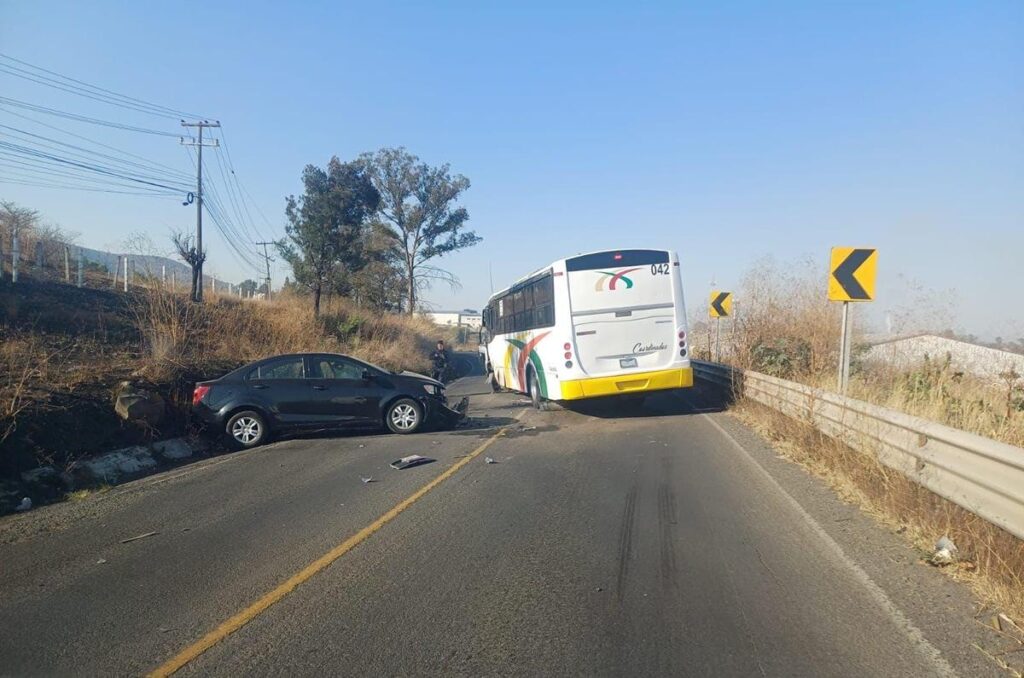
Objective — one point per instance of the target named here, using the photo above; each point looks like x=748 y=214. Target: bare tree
x=186 y=248
x=16 y=222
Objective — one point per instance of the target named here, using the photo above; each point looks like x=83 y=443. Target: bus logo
x=613 y=278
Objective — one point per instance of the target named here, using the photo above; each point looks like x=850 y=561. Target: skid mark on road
x=626 y=539
x=242 y=618
x=666 y=533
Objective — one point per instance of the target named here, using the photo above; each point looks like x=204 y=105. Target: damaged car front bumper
x=445 y=415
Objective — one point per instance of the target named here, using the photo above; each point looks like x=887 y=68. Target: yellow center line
x=279 y=592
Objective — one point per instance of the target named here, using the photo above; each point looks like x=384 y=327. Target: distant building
x=465 y=318
x=981 y=361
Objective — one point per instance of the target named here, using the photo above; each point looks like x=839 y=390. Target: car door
x=280 y=384
x=343 y=394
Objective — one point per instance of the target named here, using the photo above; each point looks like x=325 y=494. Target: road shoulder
x=945 y=611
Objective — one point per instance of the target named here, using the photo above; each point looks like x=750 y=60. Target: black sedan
x=309 y=391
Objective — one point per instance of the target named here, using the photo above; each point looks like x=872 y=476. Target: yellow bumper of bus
x=629 y=383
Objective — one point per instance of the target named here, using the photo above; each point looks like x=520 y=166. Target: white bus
x=601 y=324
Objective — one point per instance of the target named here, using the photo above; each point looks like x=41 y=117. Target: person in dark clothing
x=440 y=359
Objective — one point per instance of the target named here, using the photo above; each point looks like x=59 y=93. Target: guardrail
x=984 y=476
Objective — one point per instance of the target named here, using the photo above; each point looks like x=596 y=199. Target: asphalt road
x=658 y=541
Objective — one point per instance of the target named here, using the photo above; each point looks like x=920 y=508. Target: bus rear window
x=589 y=262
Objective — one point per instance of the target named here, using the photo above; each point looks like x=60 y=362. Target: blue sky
x=726 y=131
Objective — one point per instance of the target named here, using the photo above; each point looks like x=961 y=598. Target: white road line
x=928 y=651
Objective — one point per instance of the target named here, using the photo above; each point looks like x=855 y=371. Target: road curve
x=601 y=542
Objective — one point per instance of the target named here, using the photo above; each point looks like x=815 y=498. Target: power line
x=88 y=154
x=25 y=165
x=94 y=168
x=241 y=188
x=235 y=200
x=89 y=91
x=97 y=143
x=83 y=118
x=214 y=205
x=41 y=184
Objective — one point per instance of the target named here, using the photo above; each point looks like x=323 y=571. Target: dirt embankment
x=64 y=351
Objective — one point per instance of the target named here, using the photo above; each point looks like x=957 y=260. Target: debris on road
x=101 y=561
x=138 y=537
x=25 y=504
x=488 y=460
x=945 y=552
x=366 y=480
x=411 y=460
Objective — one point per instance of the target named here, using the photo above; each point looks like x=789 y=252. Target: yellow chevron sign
x=852 y=274
x=720 y=305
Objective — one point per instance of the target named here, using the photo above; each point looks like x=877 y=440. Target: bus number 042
x=659 y=269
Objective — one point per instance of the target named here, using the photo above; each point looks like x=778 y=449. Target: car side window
x=335 y=368
x=286 y=368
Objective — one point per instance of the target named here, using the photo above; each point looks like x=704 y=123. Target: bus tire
x=533 y=388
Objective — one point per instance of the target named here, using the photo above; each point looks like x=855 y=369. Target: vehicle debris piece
x=138 y=537
x=26 y=504
x=945 y=552
x=411 y=460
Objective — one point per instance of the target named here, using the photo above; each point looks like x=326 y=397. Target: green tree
x=249 y=287
x=326 y=223
x=418 y=207
x=379 y=282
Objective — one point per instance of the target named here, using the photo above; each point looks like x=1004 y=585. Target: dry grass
x=991 y=560
x=181 y=336
x=788 y=329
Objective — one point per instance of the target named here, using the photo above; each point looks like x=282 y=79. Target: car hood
x=420 y=377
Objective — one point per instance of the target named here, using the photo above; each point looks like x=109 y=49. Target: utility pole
x=201 y=124
x=267 y=258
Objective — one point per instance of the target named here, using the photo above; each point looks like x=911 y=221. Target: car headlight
x=433 y=389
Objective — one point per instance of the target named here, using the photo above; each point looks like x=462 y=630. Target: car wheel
x=246 y=429
x=404 y=416
x=533 y=384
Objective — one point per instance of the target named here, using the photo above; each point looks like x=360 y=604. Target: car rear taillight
x=199 y=393
x=568 y=354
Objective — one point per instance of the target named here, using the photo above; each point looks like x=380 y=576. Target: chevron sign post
x=719 y=306
x=851 y=277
